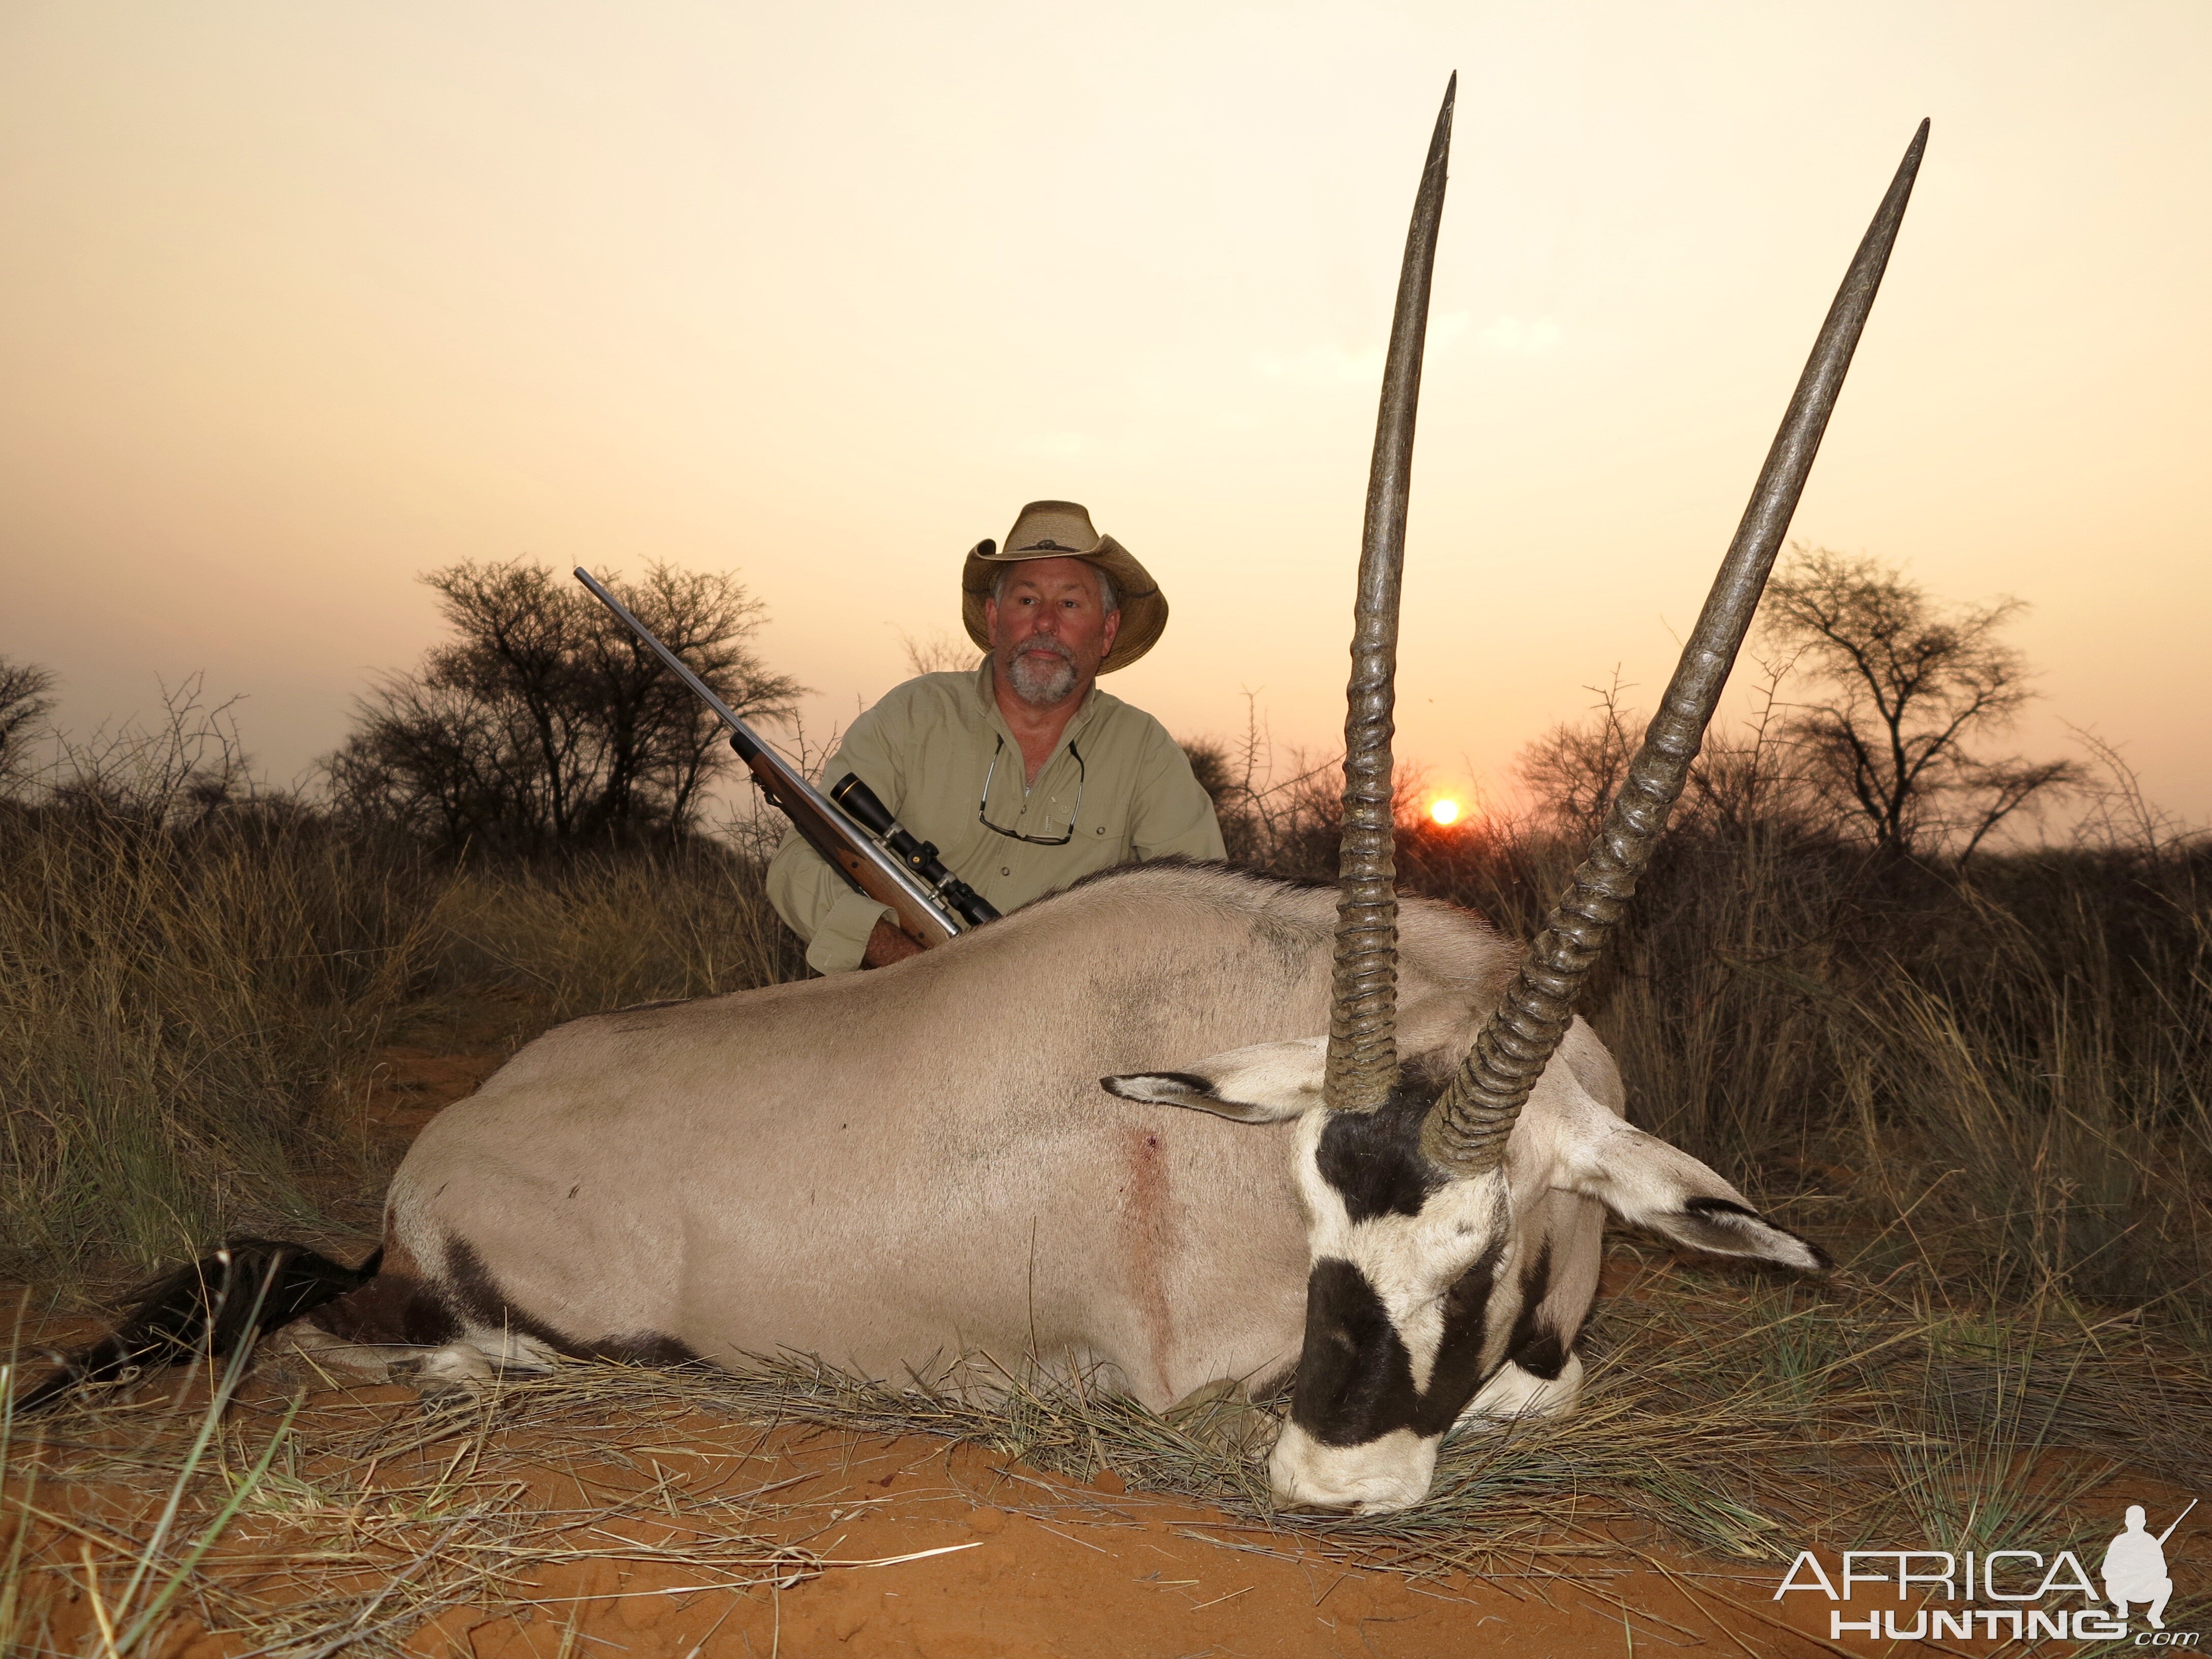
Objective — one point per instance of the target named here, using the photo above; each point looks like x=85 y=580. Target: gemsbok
x=1362 y=1142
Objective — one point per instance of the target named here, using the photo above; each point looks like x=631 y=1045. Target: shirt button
x=1007 y=870
x=1101 y=830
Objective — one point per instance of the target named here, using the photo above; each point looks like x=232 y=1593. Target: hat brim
x=1143 y=607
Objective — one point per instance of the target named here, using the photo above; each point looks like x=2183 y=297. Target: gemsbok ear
x=1265 y=1082
x=1647 y=1183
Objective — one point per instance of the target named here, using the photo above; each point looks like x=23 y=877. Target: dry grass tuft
x=181 y=1011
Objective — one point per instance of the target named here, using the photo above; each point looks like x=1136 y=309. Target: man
x=2134 y=1570
x=1024 y=773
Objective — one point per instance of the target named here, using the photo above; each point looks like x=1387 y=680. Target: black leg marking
x=480 y=1298
x=398 y=1305
x=1535 y=1345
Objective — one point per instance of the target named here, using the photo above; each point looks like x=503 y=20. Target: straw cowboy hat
x=1062 y=530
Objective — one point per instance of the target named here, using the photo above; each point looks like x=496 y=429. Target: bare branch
x=23 y=703
x=941 y=653
x=1906 y=690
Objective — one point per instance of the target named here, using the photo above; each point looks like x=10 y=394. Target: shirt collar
x=987 y=695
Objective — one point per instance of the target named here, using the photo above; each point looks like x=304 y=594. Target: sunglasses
x=983 y=806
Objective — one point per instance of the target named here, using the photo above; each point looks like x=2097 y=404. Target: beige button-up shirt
x=1117 y=780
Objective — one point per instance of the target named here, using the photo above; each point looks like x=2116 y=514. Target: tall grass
x=189 y=1011
x=599 y=931
x=179 y=1009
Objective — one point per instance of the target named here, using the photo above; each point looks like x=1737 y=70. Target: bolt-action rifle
x=850 y=827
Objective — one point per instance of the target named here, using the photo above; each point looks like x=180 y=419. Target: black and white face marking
x=1400 y=1315
x=1399 y=1249
x=1405 y=1262
x=1428 y=1292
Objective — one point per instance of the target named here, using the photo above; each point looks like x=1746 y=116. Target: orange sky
x=301 y=301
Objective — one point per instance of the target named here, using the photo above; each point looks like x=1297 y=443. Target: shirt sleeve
x=812 y=897
x=1172 y=814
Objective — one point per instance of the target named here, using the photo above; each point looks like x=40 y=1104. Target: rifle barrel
x=833 y=833
x=738 y=727
x=2178 y=1519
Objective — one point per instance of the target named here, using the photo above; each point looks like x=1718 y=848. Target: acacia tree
x=1907 y=691
x=545 y=720
x=23 y=702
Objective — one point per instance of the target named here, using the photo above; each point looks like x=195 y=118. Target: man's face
x=1049 y=631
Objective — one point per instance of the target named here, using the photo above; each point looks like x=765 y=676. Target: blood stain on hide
x=1150 y=1237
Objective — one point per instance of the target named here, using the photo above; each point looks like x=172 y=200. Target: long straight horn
x=1363 y=1020
x=1467 y=1128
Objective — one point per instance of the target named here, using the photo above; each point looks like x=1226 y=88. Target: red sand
x=1036 y=1566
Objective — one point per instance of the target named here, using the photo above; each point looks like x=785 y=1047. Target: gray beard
x=1040 y=680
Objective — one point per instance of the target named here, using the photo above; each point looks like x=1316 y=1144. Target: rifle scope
x=860 y=803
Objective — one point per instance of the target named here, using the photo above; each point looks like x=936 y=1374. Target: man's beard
x=1038 y=680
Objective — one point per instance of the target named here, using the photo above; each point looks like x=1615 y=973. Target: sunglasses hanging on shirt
x=983 y=806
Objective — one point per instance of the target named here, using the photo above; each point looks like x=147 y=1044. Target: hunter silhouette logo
x=2135 y=1567
x=2025 y=1593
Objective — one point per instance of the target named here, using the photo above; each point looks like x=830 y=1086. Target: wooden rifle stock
x=827 y=831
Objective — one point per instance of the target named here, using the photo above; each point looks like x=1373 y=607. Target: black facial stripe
x=1355 y=1377
x=1373 y=1160
x=1458 y=1370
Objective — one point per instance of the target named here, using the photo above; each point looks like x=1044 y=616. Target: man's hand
x=886 y=944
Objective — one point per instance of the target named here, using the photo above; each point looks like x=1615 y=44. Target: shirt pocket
x=1103 y=828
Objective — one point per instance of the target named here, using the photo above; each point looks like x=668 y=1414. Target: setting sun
x=1444 y=810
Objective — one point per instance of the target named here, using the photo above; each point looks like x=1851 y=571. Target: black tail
x=247 y=1285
